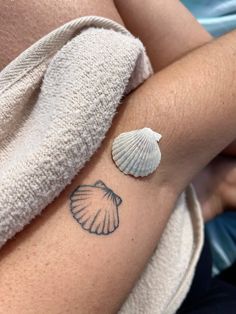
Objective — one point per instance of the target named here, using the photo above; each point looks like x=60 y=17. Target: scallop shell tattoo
x=137 y=152
x=95 y=208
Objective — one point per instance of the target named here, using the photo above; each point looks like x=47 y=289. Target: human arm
x=167 y=37
x=54 y=264
x=167 y=29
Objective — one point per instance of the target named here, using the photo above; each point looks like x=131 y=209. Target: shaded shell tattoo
x=95 y=208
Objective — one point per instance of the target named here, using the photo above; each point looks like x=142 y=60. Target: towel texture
x=57 y=101
x=46 y=138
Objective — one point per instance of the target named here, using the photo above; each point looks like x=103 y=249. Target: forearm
x=167 y=29
x=55 y=257
x=192 y=104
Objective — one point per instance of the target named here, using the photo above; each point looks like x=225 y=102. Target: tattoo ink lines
x=95 y=208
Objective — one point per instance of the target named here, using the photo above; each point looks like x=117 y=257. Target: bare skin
x=167 y=29
x=56 y=267
x=212 y=186
x=23 y=22
x=166 y=37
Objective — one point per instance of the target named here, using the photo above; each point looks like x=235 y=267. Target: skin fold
x=55 y=266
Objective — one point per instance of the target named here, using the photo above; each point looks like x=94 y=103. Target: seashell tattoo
x=95 y=208
x=137 y=152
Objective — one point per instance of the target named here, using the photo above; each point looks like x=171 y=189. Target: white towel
x=57 y=101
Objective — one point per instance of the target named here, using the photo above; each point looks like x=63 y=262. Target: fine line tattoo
x=95 y=208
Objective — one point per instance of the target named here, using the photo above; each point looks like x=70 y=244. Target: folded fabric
x=47 y=135
x=57 y=101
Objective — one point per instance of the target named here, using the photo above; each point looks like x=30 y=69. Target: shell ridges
x=95 y=208
x=137 y=152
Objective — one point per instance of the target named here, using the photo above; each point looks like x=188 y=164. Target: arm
x=167 y=29
x=167 y=36
x=54 y=265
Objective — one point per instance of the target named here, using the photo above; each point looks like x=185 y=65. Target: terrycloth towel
x=57 y=101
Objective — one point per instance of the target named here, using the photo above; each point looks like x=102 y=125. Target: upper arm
x=55 y=265
x=168 y=30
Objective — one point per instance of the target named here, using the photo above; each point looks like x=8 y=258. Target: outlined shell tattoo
x=137 y=152
x=95 y=208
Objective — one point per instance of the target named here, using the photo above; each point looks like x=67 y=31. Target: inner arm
x=168 y=31
x=54 y=264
